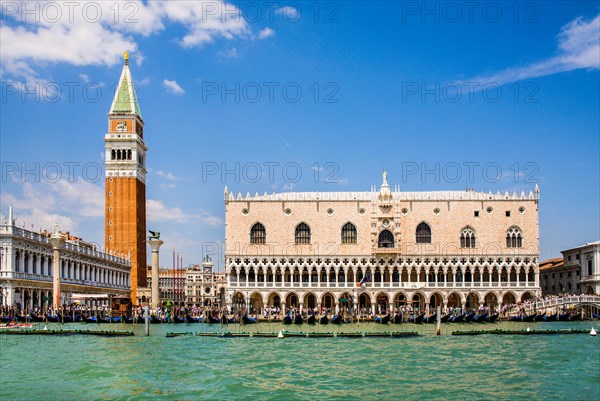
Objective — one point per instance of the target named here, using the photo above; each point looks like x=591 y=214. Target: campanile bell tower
x=125 y=205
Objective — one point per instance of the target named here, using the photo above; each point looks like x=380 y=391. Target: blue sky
x=508 y=92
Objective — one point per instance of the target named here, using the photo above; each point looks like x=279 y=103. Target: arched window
x=113 y=154
x=514 y=238
x=386 y=239
x=258 y=234
x=302 y=234
x=128 y=154
x=349 y=235
x=423 y=234
x=467 y=238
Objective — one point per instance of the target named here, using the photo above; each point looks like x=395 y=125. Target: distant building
x=204 y=286
x=381 y=249
x=26 y=264
x=577 y=272
x=171 y=284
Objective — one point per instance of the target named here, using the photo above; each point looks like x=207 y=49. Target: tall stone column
x=56 y=240
x=155 y=244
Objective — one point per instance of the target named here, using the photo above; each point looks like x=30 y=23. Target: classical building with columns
x=26 y=261
x=383 y=248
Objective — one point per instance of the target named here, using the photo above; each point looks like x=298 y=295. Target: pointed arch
x=386 y=239
x=302 y=233
x=467 y=237
x=258 y=234
x=423 y=233
x=349 y=234
x=514 y=237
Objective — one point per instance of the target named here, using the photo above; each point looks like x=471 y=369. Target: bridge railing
x=570 y=300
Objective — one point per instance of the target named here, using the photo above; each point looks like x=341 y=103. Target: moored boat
x=444 y=319
x=249 y=320
x=493 y=318
x=417 y=318
x=177 y=319
x=191 y=319
x=324 y=319
x=311 y=319
x=213 y=320
x=430 y=318
x=337 y=319
x=469 y=317
x=480 y=318
x=287 y=319
x=397 y=318
x=551 y=318
x=298 y=319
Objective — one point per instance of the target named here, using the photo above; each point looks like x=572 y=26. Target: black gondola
x=53 y=318
x=430 y=318
x=287 y=319
x=324 y=319
x=493 y=318
x=576 y=316
x=551 y=318
x=311 y=319
x=337 y=319
x=39 y=319
x=71 y=318
x=469 y=317
x=480 y=318
x=298 y=319
x=397 y=318
x=128 y=319
x=540 y=318
x=383 y=320
x=191 y=319
x=213 y=320
x=91 y=319
x=417 y=318
x=457 y=318
x=249 y=320
x=444 y=319
x=177 y=319
x=564 y=317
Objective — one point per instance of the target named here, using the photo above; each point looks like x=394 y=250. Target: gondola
x=444 y=319
x=232 y=319
x=540 y=317
x=156 y=320
x=596 y=315
x=383 y=319
x=249 y=320
x=6 y=319
x=417 y=319
x=480 y=318
x=469 y=317
x=23 y=318
x=563 y=317
x=551 y=318
x=311 y=319
x=177 y=319
x=337 y=319
x=37 y=318
x=397 y=318
x=430 y=318
x=91 y=319
x=457 y=318
x=287 y=319
x=191 y=319
x=213 y=320
x=102 y=319
x=128 y=319
x=53 y=318
x=523 y=318
x=116 y=319
x=298 y=319
x=493 y=318
x=71 y=318
x=324 y=319
x=576 y=316
x=141 y=319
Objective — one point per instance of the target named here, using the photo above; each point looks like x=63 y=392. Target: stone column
x=56 y=240
x=155 y=244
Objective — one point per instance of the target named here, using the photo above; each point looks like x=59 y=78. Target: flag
x=366 y=278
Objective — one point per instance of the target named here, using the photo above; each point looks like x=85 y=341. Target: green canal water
x=553 y=367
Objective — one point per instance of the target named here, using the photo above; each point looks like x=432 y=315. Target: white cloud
x=288 y=12
x=228 y=54
x=95 y=33
x=578 y=48
x=85 y=78
x=66 y=203
x=167 y=175
x=266 y=33
x=157 y=211
x=173 y=87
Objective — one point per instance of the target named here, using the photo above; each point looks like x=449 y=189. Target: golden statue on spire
x=126 y=56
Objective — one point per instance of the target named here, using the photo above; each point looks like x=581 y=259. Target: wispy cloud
x=578 y=48
x=288 y=12
x=266 y=33
x=173 y=87
x=31 y=42
x=228 y=53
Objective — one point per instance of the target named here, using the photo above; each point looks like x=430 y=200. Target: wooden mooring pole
x=438 y=321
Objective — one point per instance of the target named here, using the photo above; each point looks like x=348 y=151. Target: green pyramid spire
x=125 y=100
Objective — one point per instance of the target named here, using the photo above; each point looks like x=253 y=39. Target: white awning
x=76 y=297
